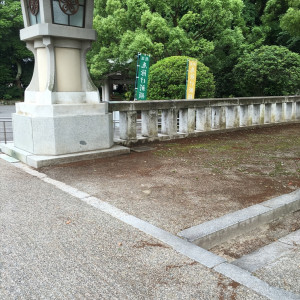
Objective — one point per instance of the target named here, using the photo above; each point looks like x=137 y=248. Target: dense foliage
x=167 y=79
x=218 y=33
x=269 y=70
x=16 y=63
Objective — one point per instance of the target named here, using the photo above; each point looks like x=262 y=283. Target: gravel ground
x=283 y=273
x=186 y=182
x=54 y=246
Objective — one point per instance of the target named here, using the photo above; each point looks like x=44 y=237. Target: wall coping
x=197 y=103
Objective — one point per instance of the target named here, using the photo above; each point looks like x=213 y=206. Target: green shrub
x=13 y=93
x=167 y=79
x=268 y=71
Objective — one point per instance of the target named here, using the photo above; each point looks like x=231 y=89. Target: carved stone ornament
x=69 y=7
x=34 y=6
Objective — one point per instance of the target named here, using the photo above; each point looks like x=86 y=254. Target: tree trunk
x=18 y=76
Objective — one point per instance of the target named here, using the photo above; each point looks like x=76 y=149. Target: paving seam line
x=190 y=250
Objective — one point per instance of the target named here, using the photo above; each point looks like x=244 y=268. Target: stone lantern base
x=61 y=129
x=54 y=134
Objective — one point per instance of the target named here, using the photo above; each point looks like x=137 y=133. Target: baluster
x=128 y=125
x=150 y=123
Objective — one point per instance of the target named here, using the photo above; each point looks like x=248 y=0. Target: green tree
x=280 y=23
x=229 y=46
x=252 y=12
x=159 y=28
x=167 y=79
x=290 y=21
x=15 y=59
x=268 y=71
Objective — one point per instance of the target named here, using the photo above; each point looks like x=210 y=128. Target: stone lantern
x=61 y=113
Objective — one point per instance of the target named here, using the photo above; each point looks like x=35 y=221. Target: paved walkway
x=60 y=243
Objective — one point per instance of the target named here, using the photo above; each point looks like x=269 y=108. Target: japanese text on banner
x=141 y=84
x=191 y=79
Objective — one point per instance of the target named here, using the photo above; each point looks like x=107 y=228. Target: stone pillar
x=250 y=115
x=61 y=113
x=128 y=125
x=256 y=114
x=262 y=114
x=293 y=112
x=243 y=115
x=223 y=117
x=288 y=111
x=200 y=118
x=297 y=104
x=215 y=117
x=187 y=120
x=169 y=121
x=150 y=123
x=106 y=91
x=279 y=113
x=273 y=112
x=208 y=119
x=284 y=111
x=232 y=117
x=267 y=115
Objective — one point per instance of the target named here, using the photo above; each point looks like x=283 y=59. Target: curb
x=217 y=231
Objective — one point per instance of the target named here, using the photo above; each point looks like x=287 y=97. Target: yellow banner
x=191 y=80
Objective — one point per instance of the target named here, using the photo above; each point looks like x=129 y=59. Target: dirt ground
x=186 y=182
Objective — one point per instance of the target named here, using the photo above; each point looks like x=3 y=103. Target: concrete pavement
x=61 y=243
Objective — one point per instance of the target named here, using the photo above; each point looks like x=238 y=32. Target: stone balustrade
x=171 y=119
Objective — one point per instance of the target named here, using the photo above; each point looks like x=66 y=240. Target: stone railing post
x=267 y=116
x=150 y=123
x=288 y=111
x=169 y=121
x=273 y=112
x=203 y=119
x=243 y=115
x=223 y=117
x=128 y=125
x=256 y=114
x=293 y=111
x=218 y=117
x=250 y=115
x=297 y=113
x=262 y=109
x=232 y=116
x=187 y=120
x=215 y=117
x=200 y=115
x=283 y=114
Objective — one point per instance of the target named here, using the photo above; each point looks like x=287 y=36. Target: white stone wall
x=183 y=118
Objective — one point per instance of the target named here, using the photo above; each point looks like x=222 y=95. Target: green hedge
x=268 y=71
x=167 y=79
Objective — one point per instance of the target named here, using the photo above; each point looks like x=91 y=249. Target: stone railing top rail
x=197 y=103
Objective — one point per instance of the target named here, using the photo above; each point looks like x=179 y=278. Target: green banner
x=142 y=73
